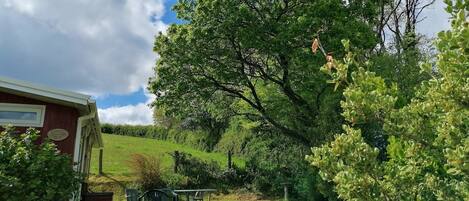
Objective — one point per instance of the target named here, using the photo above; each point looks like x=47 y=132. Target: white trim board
x=39 y=90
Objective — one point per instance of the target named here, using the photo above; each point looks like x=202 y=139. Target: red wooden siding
x=56 y=116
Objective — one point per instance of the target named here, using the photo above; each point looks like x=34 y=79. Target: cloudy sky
x=100 y=47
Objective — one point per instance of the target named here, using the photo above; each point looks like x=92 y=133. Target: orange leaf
x=315 y=46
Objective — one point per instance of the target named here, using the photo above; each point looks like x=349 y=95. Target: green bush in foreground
x=34 y=172
x=428 y=143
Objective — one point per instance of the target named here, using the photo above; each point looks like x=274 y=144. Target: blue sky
x=170 y=16
x=121 y=100
x=101 y=48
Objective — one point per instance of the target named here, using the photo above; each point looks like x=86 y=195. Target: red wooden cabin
x=69 y=119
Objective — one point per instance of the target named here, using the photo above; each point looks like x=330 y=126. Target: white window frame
x=40 y=111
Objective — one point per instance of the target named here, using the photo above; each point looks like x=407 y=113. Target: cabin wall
x=56 y=116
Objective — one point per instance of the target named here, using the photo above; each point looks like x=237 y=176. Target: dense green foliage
x=253 y=59
x=196 y=138
x=268 y=165
x=34 y=172
x=208 y=174
x=134 y=130
x=242 y=75
x=247 y=68
x=236 y=137
x=428 y=143
x=272 y=161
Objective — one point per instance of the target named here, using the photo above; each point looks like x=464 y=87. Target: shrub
x=235 y=138
x=30 y=171
x=148 y=171
x=196 y=139
x=272 y=160
x=175 y=181
x=235 y=177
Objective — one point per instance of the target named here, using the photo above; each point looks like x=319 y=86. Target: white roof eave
x=97 y=127
x=44 y=91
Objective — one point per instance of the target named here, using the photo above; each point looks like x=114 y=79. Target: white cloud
x=95 y=47
x=138 y=114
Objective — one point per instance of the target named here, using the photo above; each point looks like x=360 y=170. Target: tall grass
x=148 y=171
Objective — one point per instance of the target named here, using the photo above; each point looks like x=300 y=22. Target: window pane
x=15 y=115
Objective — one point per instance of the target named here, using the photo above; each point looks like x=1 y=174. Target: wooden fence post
x=176 y=161
x=100 y=169
x=230 y=164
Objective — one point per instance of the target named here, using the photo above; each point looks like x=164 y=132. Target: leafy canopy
x=428 y=144
x=256 y=56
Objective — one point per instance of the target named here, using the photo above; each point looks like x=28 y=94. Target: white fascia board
x=48 y=92
x=97 y=127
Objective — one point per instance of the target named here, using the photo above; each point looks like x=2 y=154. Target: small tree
x=427 y=140
x=34 y=172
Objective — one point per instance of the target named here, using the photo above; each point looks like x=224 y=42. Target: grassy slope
x=118 y=149
x=117 y=152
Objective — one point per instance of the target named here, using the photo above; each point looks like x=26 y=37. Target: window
x=23 y=115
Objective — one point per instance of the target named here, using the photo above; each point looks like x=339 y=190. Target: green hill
x=118 y=150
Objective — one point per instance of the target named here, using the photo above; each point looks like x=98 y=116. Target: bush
x=197 y=173
x=200 y=174
x=175 y=181
x=148 y=171
x=235 y=177
x=272 y=160
x=196 y=139
x=235 y=138
x=30 y=171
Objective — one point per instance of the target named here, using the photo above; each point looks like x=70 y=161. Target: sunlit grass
x=118 y=149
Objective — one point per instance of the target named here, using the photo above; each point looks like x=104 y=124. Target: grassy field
x=118 y=150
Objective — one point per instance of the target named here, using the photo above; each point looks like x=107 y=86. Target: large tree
x=257 y=53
